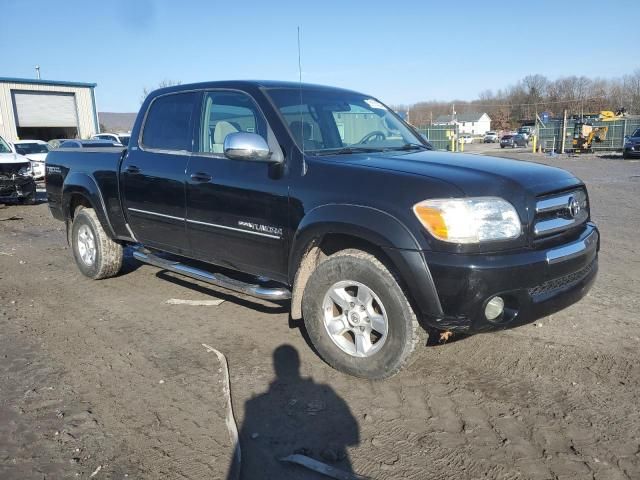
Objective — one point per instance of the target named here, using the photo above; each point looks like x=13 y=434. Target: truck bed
x=96 y=170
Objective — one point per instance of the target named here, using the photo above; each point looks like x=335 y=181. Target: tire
x=501 y=146
x=104 y=260
x=29 y=199
x=388 y=302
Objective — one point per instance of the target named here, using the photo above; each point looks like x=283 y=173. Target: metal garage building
x=43 y=109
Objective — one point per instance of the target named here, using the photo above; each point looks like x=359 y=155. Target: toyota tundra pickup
x=325 y=198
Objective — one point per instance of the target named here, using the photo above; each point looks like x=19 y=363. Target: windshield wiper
x=410 y=146
x=346 y=150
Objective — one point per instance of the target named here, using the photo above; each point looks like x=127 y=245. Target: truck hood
x=473 y=174
x=12 y=158
x=36 y=157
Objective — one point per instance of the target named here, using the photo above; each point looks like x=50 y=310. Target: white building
x=470 y=123
x=43 y=109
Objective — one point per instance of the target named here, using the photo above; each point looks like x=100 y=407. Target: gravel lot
x=106 y=378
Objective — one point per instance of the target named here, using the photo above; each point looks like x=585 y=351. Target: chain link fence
x=439 y=135
x=550 y=134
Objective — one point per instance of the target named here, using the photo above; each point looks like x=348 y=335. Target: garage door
x=45 y=109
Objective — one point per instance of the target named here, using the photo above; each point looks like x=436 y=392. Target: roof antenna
x=304 y=162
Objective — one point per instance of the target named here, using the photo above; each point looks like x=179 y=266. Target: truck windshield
x=328 y=122
x=31 y=148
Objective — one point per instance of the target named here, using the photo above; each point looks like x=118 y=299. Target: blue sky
x=400 y=52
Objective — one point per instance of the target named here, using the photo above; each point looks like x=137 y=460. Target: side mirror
x=246 y=146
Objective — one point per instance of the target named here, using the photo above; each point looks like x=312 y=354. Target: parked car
x=527 y=132
x=121 y=138
x=491 y=137
x=368 y=232
x=89 y=144
x=466 y=139
x=632 y=145
x=16 y=176
x=36 y=151
x=513 y=141
x=56 y=142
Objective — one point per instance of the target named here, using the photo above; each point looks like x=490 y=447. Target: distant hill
x=116 y=122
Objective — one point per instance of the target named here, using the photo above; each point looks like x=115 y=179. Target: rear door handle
x=132 y=169
x=201 y=177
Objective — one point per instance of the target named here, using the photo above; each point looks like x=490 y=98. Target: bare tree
x=164 y=83
x=535 y=94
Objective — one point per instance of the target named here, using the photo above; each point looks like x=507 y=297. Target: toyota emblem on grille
x=574 y=207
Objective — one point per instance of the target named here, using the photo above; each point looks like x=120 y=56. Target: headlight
x=469 y=220
x=24 y=171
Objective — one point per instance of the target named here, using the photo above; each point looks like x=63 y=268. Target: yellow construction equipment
x=609 y=116
x=584 y=135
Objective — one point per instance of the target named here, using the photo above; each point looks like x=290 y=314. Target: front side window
x=329 y=121
x=169 y=122
x=225 y=113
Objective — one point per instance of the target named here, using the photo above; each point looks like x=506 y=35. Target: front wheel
x=96 y=255
x=358 y=317
x=29 y=199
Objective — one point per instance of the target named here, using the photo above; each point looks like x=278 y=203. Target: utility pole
x=38 y=71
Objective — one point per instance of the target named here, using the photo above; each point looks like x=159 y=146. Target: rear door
x=237 y=211
x=153 y=174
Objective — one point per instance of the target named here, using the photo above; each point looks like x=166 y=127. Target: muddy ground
x=105 y=378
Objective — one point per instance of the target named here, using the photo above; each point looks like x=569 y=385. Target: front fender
x=82 y=184
x=380 y=229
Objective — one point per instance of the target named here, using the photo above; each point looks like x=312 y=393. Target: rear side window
x=169 y=123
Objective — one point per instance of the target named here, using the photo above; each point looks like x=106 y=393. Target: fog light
x=494 y=308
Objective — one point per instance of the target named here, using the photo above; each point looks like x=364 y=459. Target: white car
x=16 y=178
x=36 y=151
x=466 y=139
x=491 y=137
x=121 y=138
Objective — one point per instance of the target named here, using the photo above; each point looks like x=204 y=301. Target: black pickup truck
x=326 y=197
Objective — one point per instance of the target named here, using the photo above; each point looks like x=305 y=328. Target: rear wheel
x=96 y=255
x=358 y=317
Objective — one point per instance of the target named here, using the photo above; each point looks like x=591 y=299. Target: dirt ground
x=105 y=380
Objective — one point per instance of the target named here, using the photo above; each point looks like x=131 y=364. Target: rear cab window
x=169 y=123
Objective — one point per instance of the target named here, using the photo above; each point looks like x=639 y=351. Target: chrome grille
x=560 y=212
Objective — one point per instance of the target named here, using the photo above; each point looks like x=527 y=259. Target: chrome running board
x=217 y=279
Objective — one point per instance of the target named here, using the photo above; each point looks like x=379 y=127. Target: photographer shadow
x=294 y=416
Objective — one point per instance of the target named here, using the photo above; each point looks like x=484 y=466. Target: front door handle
x=132 y=169
x=201 y=177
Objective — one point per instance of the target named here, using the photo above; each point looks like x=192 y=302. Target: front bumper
x=632 y=151
x=533 y=284
x=17 y=188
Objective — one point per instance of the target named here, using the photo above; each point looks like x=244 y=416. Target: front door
x=153 y=174
x=237 y=211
